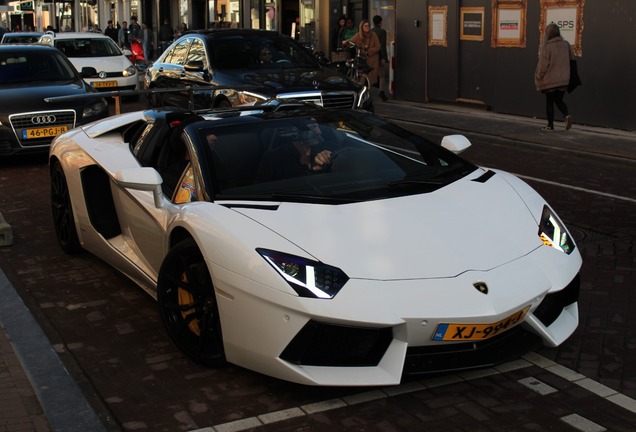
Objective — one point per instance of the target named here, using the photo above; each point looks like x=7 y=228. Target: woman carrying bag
x=552 y=75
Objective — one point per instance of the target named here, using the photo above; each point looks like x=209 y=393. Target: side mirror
x=88 y=72
x=194 y=66
x=455 y=143
x=144 y=179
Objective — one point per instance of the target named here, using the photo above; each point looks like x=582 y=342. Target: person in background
x=350 y=29
x=338 y=34
x=553 y=74
x=369 y=44
x=183 y=27
x=111 y=31
x=384 y=58
x=135 y=28
x=124 y=36
x=166 y=34
x=146 y=40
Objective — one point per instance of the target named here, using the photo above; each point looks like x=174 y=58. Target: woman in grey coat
x=553 y=74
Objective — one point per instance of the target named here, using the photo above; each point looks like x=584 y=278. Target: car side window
x=179 y=53
x=197 y=52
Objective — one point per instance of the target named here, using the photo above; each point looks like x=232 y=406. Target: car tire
x=188 y=306
x=63 y=218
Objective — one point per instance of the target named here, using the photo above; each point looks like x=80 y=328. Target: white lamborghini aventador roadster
x=320 y=247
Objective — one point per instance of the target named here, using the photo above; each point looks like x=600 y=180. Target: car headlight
x=363 y=97
x=95 y=108
x=552 y=232
x=129 y=71
x=308 y=278
x=249 y=98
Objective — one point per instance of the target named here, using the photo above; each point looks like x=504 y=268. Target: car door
x=143 y=224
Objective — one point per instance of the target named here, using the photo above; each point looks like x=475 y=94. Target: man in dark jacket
x=166 y=34
x=111 y=31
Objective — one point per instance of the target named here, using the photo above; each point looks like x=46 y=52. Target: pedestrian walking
x=384 y=58
x=553 y=74
x=369 y=44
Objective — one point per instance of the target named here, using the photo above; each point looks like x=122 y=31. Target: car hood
x=281 y=80
x=106 y=64
x=23 y=99
x=465 y=226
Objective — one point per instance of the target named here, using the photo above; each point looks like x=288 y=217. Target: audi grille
x=24 y=123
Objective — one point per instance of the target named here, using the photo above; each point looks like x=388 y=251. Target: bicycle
x=357 y=68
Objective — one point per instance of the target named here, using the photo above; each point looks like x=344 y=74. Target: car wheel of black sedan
x=188 y=304
x=63 y=212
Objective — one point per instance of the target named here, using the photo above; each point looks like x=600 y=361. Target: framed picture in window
x=437 y=25
x=509 y=23
x=568 y=15
x=472 y=24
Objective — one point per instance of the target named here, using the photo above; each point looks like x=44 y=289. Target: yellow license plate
x=104 y=84
x=43 y=132
x=471 y=332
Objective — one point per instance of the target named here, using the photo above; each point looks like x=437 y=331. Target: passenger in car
x=265 y=56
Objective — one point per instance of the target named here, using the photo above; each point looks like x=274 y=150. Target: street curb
x=6 y=233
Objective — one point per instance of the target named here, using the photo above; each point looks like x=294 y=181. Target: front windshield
x=88 y=47
x=259 y=52
x=30 y=66
x=337 y=156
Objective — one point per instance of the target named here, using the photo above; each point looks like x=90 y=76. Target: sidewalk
x=36 y=391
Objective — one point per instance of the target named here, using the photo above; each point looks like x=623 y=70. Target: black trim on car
x=98 y=197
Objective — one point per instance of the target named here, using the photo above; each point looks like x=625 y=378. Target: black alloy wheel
x=188 y=306
x=63 y=219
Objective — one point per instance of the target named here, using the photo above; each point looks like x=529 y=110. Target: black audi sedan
x=29 y=74
x=251 y=66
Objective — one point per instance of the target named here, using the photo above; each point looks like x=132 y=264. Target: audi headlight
x=553 y=233
x=129 y=71
x=308 y=278
x=95 y=108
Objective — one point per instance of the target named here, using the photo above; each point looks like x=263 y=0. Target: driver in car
x=304 y=154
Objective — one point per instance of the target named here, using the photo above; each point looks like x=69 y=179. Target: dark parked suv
x=252 y=66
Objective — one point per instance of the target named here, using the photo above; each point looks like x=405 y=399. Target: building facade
x=477 y=52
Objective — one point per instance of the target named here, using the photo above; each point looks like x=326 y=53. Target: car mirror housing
x=144 y=179
x=455 y=143
x=88 y=72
